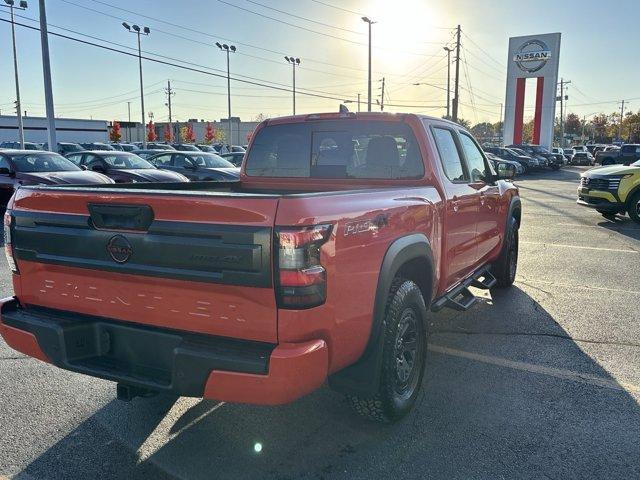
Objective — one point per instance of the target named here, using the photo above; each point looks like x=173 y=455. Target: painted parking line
x=562 y=245
x=529 y=281
x=560 y=373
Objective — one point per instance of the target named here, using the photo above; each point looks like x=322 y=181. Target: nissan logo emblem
x=119 y=249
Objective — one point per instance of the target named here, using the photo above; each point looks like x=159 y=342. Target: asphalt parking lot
x=539 y=381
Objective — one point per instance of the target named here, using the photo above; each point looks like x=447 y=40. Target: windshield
x=636 y=164
x=42 y=162
x=125 y=161
x=210 y=160
x=539 y=149
x=187 y=148
x=71 y=147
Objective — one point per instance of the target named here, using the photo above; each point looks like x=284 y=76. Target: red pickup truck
x=321 y=264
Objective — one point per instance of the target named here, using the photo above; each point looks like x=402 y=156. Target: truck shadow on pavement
x=478 y=416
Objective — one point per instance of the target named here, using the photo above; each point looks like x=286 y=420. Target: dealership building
x=67 y=129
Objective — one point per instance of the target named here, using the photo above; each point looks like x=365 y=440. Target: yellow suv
x=611 y=190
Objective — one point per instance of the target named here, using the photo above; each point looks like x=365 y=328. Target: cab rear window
x=336 y=149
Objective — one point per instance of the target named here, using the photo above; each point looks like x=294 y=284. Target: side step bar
x=460 y=298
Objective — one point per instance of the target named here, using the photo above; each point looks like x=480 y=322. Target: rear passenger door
x=461 y=208
x=488 y=233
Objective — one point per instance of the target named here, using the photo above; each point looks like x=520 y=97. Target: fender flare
x=631 y=193
x=363 y=377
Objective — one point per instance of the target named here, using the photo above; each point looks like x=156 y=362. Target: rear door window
x=475 y=159
x=449 y=154
x=336 y=149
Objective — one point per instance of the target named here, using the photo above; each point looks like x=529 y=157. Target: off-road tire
x=397 y=395
x=504 y=269
x=633 y=207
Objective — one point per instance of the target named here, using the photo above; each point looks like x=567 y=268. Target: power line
x=300 y=27
x=485 y=52
x=192 y=69
x=338 y=8
x=184 y=27
x=179 y=60
x=326 y=4
x=305 y=18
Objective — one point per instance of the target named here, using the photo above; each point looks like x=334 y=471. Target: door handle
x=455 y=204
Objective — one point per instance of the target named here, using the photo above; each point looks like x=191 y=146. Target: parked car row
x=528 y=157
x=40 y=167
x=69 y=147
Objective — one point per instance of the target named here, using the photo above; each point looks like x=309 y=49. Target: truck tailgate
x=195 y=262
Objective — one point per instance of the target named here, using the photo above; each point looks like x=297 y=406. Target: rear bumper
x=166 y=360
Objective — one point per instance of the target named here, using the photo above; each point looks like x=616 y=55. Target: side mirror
x=506 y=171
x=83 y=167
x=6 y=171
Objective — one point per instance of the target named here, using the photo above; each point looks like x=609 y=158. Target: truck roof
x=389 y=116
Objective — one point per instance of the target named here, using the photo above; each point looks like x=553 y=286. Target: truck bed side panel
x=353 y=258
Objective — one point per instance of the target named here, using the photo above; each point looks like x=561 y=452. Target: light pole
x=448 y=50
x=140 y=31
x=228 y=49
x=294 y=61
x=23 y=6
x=354 y=101
x=370 y=22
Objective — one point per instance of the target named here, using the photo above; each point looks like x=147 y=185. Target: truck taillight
x=8 y=246
x=302 y=280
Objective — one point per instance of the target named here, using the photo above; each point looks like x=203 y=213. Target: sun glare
x=404 y=25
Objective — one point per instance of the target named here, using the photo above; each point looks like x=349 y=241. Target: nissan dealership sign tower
x=534 y=56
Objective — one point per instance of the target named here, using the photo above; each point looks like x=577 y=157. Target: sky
x=599 y=54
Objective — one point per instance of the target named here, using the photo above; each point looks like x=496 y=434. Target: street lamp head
x=9 y=2
x=233 y=48
x=298 y=61
x=125 y=25
x=366 y=19
x=23 y=4
x=225 y=46
x=219 y=45
x=136 y=28
x=287 y=59
x=147 y=30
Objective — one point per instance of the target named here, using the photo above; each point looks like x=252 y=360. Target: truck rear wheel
x=504 y=269
x=403 y=357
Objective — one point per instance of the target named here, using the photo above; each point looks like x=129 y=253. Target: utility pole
x=170 y=93
x=448 y=50
x=382 y=99
x=501 y=126
x=46 y=71
x=228 y=49
x=295 y=62
x=358 y=102
x=563 y=97
x=129 y=126
x=370 y=22
x=621 y=118
x=23 y=6
x=456 y=98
